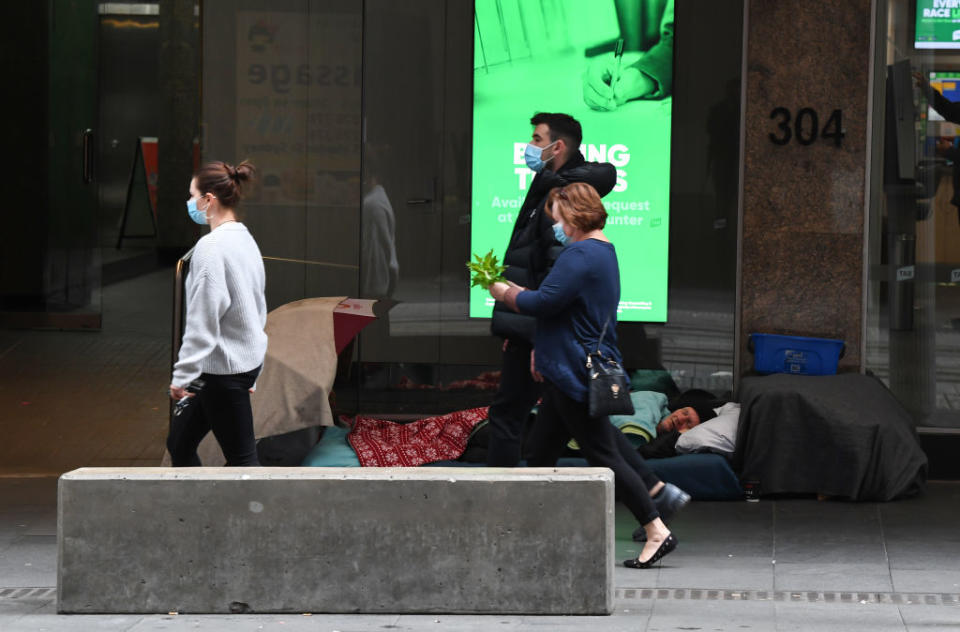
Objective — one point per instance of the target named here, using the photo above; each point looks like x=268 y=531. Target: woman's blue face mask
x=196 y=214
x=560 y=236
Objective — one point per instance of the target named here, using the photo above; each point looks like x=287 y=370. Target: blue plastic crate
x=795 y=354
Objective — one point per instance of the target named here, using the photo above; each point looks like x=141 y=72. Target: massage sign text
x=292 y=113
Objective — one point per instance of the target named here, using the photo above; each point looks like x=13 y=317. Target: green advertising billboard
x=536 y=56
x=937 y=24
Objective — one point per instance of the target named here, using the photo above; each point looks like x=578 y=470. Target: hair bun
x=244 y=171
x=225 y=181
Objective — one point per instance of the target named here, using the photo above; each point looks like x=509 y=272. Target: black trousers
x=223 y=406
x=601 y=443
x=511 y=408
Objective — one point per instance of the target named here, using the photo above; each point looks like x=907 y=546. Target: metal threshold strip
x=45 y=592
x=797 y=596
x=685 y=594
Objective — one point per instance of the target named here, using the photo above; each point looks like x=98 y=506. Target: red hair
x=579 y=205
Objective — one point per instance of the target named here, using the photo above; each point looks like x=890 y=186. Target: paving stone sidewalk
x=793 y=564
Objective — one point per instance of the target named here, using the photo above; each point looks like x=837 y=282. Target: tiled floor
x=785 y=564
x=71 y=399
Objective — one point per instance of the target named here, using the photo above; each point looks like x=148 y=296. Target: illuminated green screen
x=530 y=56
x=938 y=24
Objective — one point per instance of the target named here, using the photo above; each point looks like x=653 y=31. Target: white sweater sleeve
x=207 y=301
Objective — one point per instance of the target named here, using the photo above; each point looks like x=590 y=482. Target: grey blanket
x=838 y=435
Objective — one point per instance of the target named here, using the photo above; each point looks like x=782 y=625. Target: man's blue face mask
x=196 y=214
x=532 y=154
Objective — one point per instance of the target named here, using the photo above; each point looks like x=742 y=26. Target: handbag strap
x=603 y=333
x=599 y=340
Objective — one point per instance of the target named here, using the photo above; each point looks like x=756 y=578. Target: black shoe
x=665 y=547
x=668 y=501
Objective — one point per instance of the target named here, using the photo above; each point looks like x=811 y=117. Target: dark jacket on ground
x=662 y=446
x=533 y=248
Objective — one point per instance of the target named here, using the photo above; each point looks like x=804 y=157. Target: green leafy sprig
x=485 y=270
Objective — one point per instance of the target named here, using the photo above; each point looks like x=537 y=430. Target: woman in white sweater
x=224 y=342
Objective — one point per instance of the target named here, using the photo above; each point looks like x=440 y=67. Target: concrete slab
x=931 y=618
x=937 y=551
x=44 y=622
x=931 y=580
x=722 y=615
x=829 y=532
x=633 y=578
x=10 y=611
x=833 y=577
x=30 y=561
x=337 y=540
x=739 y=573
x=791 y=617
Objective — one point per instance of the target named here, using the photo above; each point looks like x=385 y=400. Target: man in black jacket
x=554 y=154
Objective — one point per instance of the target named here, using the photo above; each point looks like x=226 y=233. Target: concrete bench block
x=336 y=540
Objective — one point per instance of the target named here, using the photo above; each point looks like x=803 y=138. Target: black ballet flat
x=670 y=501
x=666 y=546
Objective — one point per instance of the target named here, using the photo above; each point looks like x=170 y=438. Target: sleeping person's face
x=680 y=420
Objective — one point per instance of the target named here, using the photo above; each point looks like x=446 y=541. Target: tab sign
x=905 y=273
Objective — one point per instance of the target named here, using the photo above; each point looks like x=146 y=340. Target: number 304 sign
x=804 y=127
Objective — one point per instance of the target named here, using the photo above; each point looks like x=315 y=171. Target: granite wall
x=803 y=198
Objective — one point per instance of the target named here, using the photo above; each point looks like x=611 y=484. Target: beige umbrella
x=293 y=389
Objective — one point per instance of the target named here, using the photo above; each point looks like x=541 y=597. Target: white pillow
x=714 y=435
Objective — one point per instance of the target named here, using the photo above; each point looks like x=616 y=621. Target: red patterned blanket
x=381 y=443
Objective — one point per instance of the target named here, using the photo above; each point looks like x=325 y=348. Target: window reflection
x=913 y=319
x=359 y=116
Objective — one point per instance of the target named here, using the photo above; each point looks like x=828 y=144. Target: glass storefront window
x=359 y=116
x=913 y=313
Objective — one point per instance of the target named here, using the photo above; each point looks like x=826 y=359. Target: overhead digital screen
x=937 y=24
x=537 y=56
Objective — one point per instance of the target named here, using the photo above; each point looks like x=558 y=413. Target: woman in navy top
x=573 y=305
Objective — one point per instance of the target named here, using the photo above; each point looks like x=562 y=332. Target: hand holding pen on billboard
x=599 y=78
x=607 y=84
x=618 y=56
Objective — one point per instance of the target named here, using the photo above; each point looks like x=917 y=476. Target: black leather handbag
x=608 y=388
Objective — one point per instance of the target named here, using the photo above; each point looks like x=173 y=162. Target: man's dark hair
x=704 y=412
x=561 y=126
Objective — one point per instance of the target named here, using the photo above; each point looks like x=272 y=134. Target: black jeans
x=223 y=406
x=511 y=408
x=601 y=443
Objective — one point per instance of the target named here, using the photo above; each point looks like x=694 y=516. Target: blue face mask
x=196 y=214
x=532 y=154
x=560 y=236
